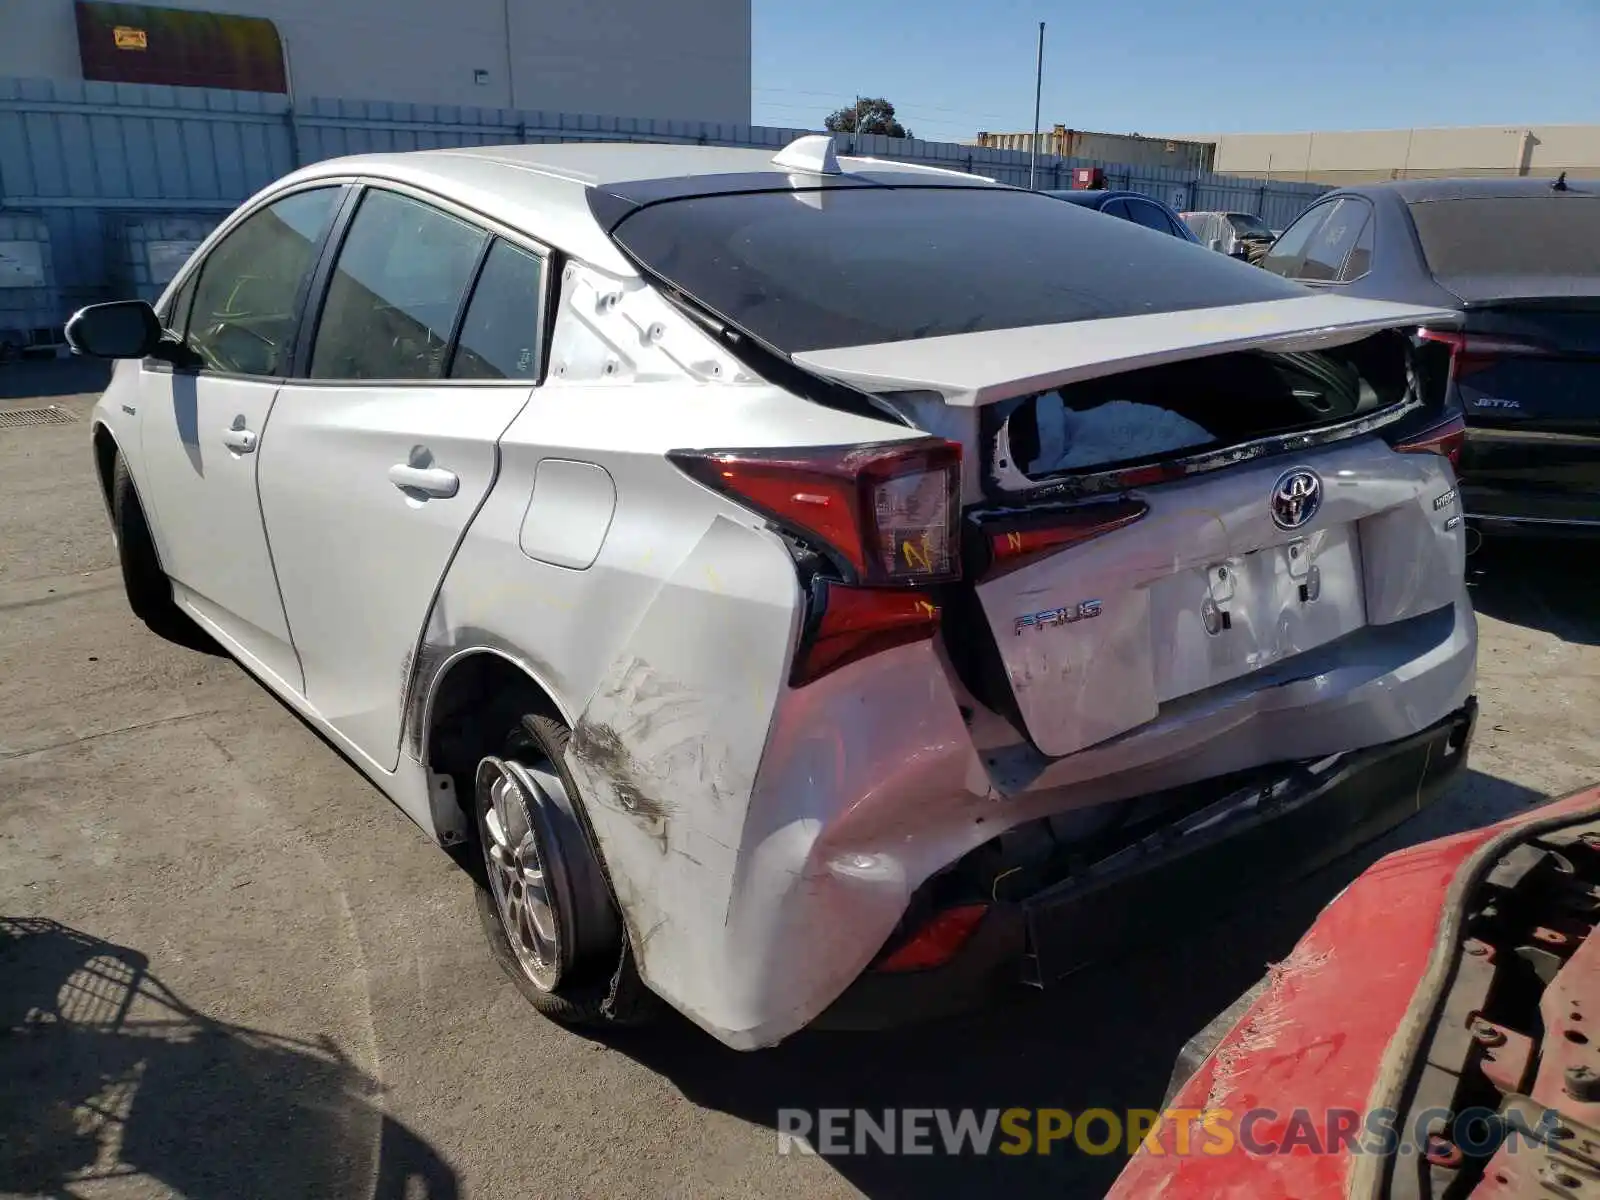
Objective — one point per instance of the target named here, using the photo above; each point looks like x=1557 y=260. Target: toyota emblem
x=1296 y=497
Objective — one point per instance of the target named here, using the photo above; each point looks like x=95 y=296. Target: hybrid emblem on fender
x=1296 y=497
x=1051 y=617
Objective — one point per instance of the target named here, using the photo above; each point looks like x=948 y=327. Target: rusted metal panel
x=138 y=43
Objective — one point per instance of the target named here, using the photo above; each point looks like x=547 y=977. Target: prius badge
x=1066 y=615
x=1296 y=497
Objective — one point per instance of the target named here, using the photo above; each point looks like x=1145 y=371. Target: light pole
x=1038 y=89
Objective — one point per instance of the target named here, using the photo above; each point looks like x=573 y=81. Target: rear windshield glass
x=1511 y=235
x=817 y=270
x=1246 y=223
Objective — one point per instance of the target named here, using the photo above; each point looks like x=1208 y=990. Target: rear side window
x=1553 y=234
x=1284 y=258
x=396 y=290
x=1360 y=260
x=246 y=307
x=1151 y=217
x=1335 y=238
x=500 y=333
x=1248 y=223
x=852 y=266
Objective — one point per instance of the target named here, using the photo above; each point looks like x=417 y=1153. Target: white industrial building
x=688 y=60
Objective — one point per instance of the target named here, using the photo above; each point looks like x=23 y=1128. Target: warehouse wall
x=106 y=182
x=688 y=60
x=1366 y=156
x=1130 y=148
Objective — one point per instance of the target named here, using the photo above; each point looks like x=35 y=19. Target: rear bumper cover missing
x=1270 y=833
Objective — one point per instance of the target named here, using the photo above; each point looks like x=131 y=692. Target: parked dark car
x=1519 y=259
x=1130 y=206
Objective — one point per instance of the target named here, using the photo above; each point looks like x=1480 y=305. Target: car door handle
x=240 y=441
x=430 y=481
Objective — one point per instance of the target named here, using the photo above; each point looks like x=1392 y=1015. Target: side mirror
x=120 y=329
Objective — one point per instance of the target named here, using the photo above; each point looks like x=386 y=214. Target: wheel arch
x=105 y=458
x=463 y=707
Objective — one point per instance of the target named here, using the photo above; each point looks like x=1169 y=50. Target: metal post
x=511 y=66
x=1038 y=91
x=288 y=113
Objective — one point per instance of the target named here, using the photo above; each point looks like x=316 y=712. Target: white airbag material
x=1116 y=431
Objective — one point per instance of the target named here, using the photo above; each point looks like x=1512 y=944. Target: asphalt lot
x=246 y=974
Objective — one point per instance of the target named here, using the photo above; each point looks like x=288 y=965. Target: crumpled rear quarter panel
x=755 y=889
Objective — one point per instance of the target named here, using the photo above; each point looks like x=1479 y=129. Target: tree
x=867 y=115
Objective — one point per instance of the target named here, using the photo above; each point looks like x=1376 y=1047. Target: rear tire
x=148 y=589
x=546 y=908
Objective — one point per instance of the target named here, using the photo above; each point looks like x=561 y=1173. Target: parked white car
x=822 y=587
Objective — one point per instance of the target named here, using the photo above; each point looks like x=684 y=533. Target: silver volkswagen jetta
x=806 y=588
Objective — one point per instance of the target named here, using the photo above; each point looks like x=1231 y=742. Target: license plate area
x=1213 y=624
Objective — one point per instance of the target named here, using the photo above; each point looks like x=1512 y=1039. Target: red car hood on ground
x=1293 y=1100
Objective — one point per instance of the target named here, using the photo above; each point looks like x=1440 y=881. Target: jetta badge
x=1296 y=497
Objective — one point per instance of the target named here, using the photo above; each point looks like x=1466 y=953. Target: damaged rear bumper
x=1272 y=829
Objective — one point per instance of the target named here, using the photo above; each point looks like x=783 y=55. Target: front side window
x=175 y=316
x=500 y=333
x=396 y=289
x=246 y=303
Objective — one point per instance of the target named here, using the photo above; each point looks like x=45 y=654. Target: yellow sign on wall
x=128 y=38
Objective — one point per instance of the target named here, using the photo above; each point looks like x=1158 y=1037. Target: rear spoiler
x=974 y=369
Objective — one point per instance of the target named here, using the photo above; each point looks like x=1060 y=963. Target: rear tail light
x=851 y=623
x=1473 y=352
x=886 y=514
x=1045 y=533
x=1448 y=439
x=938 y=941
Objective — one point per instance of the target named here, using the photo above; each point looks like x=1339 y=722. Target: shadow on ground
x=1547 y=585
x=105 y=1074
x=1105 y=1038
x=28 y=379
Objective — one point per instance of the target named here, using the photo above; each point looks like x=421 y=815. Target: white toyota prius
x=806 y=589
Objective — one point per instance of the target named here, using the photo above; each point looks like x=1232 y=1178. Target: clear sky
x=952 y=68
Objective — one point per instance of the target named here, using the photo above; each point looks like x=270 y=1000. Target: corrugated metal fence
x=102 y=186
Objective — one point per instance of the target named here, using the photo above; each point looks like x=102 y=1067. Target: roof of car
x=1417 y=191
x=1091 y=196
x=544 y=189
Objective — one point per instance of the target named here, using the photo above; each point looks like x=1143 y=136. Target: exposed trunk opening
x=1194 y=409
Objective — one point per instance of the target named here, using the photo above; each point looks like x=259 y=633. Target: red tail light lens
x=1448 y=439
x=937 y=942
x=886 y=514
x=1015 y=547
x=857 y=622
x=1473 y=352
